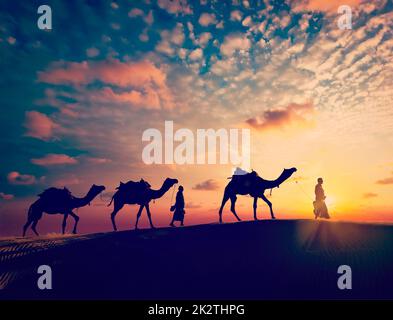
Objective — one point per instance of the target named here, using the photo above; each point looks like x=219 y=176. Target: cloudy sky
x=76 y=99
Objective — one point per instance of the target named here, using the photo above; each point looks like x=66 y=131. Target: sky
x=76 y=99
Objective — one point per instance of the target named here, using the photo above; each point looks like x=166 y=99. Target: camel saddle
x=134 y=186
x=56 y=194
x=248 y=179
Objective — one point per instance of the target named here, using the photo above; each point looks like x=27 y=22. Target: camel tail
x=111 y=201
x=29 y=212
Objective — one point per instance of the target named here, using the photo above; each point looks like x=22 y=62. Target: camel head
x=95 y=190
x=289 y=172
x=286 y=174
x=169 y=182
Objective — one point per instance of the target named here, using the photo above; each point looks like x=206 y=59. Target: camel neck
x=81 y=202
x=155 y=194
x=270 y=184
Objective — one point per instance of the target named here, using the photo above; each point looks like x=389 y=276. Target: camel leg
x=224 y=201
x=33 y=227
x=116 y=208
x=28 y=223
x=233 y=202
x=34 y=214
x=139 y=215
x=255 y=205
x=76 y=218
x=149 y=216
x=263 y=197
x=64 y=223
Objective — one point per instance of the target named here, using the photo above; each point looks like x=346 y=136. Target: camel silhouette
x=59 y=201
x=137 y=193
x=253 y=185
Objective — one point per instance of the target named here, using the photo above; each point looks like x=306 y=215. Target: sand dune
x=287 y=259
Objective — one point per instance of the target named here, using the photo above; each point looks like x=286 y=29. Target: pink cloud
x=295 y=115
x=370 y=195
x=148 y=99
x=207 y=19
x=148 y=82
x=175 y=6
x=207 y=185
x=6 y=196
x=66 y=181
x=54 y=159
x=17 y=178
x=98 y=160
x=39 y=125
x=330 y=6
x=92 y=52
x=111 y=72
x=136 y=12
x=385 y=181
x=235 y=42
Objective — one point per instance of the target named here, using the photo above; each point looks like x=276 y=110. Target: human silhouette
x=59 y=201
x=320 y=208
x=253 y=185
x=178 y=208
x=137 y=193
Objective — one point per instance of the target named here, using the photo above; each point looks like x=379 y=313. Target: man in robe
x=178 y=208
x=320 y=208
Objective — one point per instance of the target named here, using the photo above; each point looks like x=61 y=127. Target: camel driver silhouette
x=320 y=208
x=178 y=208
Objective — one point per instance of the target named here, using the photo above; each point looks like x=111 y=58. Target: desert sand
x=281 y=259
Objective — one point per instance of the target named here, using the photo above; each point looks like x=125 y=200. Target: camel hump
x=56 y=194
x=134 y=186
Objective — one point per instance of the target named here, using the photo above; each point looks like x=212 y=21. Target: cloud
x=110 y=71
x=197 y=54
x=17 y=178
x=92 y=52
x=206 y=185
x=236 y=15
x=170 y=40
x=191 y=205
x=385 y=181
x=330 y=6
x=175 y=7
x=207 y=19
x=54 y=159
x=115 y=26
x=66 y=181
x=136 y=12
x=39 y=125
x=149 y=18
x=204 y=38
x=292 y=115
x=147 y=99
x=6 y=196
x=11 y=40
x=235 y=42
x=94 y=160
x=138 y=81
x=369 y=195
